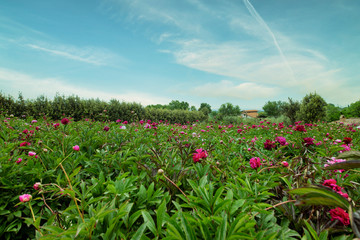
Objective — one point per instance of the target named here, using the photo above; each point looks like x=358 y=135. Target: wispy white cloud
x=227 y=89
x=13 y=82
x=91 y=55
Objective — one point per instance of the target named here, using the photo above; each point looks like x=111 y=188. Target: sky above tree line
x=151 y=52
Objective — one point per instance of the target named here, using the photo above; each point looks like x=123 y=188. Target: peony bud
x=37 y=186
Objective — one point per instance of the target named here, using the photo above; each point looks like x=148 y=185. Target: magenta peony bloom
x=282 y=141
x=106 y=128
x=64 y=121
x=76 y=148
x=341 y=215
x=24 y=144
x=200 y=154
x=285 y=163
x=308 y=141
x=25 y=198
x=19 y=160
x=255 y=162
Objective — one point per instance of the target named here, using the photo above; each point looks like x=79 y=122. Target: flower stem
x=77 y=206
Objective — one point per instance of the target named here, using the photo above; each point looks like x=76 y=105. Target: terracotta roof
x=251 y=113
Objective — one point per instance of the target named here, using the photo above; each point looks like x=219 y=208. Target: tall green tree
x=273 y=108
x=205 y=108
x=290 y=109
x=353 y=110
x=176 y=104
x=312 y=108
x=332 y=112
x=228 y=109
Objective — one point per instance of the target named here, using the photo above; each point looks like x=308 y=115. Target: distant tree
x=332 y=112
x=176 y=104
x=262 y=115
x=273 y=108
x=353 y=110
x=227 y=109
x=291 y=109
x=205 y=108
x=312 y=108
x=157 y=106
x=192 y=108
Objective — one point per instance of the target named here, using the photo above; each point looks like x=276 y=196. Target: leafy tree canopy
x=273 y=108
x=312 y=108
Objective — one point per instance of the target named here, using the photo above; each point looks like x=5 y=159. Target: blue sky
x=154 y=51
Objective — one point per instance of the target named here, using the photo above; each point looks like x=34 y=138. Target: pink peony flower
x=19 y=160
x=341 y=215
x=282 y=141
x=76 y=148
x=200 y=154
x=31 y=153
x=255 y=162
x=34 y=121
x=106 y=128
x=25 y=198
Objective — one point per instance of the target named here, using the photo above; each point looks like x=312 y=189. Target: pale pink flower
x=31 y=153
x=25 y=198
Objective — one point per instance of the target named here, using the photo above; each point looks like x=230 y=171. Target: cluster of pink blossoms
x=333 y=161
x=331 y=183
x=255 y=162
x=200 y=154
x=341 y=215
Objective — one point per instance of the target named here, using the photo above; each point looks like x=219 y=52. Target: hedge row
x=77 y=108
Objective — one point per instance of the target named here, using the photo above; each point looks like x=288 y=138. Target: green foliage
x=205 y=108
x=147 y=181
x=312 y=108
x=273 y=108
x=291 y=110
x=95 y=109
x=228 y=109
x=333 y=112
x=353 y=110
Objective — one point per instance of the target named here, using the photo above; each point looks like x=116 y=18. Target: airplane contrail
x=259 y=19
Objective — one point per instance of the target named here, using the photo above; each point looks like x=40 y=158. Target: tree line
x=312 y=108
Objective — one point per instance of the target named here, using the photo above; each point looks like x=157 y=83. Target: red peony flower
x=300 y=128
x=340 y=214
x=347 y=140
x=268 y=145
x=64 y=121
